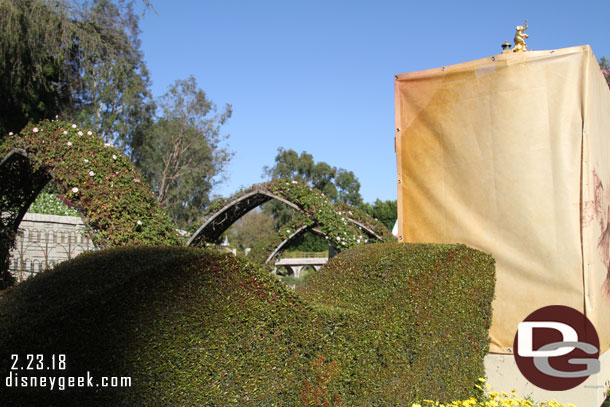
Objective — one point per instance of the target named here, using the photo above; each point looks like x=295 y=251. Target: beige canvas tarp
x=511 y=154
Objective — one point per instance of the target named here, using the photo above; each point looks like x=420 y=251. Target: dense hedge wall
x=382 y=325
x=418 y=320
x=191 y=327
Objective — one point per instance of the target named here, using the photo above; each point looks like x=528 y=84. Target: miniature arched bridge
x=218 y=221
x=295 y=265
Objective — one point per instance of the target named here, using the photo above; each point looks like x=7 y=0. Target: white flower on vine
x=35 y=129
x=89 y=133
x=86 y=160
x=74 y=126
x=114 y=156
x=80 y=133
x=294 y=182
x=139 y=222
x=10 y=133
x=69 y=143
x=74 y=190
x=65 y=132
x=91 y=173
x=106 y=144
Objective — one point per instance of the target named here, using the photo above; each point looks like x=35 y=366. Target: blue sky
x=318 y=76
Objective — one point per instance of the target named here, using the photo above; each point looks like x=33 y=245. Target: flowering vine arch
x=99 y=181
x=343 y=226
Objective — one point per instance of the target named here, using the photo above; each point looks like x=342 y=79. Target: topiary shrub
x=342 y=225
x=100 y=181
x=417 y=320
x=382 y=325
x=190 y=327
x=332 y=221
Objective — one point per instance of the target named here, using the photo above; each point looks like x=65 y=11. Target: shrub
x=417 y=320
x=49 y=204
x=100 y=181
x=190 y=327
x=383 y=324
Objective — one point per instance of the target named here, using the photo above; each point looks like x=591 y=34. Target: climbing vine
x=264 y=247
x=333 y=222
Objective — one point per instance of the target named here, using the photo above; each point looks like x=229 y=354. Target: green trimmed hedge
x=417 y=320
x=383 y=324
x=191 y=327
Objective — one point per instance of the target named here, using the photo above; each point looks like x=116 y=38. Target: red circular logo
x=556 y=348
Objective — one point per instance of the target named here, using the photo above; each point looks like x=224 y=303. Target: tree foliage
x=337 y=184
x=250 y=229
x=384 y=211
x=182 y=156
x=79 y=60
x=310 y=242
x=113 y=96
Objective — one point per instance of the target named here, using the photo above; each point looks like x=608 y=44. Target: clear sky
x=318 y=76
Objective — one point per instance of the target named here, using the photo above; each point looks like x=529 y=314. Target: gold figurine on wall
x=520 y=36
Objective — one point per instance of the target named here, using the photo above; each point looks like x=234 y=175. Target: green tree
x=182 y=157
x=384 y=211
x=310 y=242
x=337 y=184
x=348 y=188
x=253 y=227
x=113 y=95
x=74 y=59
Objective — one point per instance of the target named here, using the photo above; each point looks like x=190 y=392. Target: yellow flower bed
x=494 y=399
